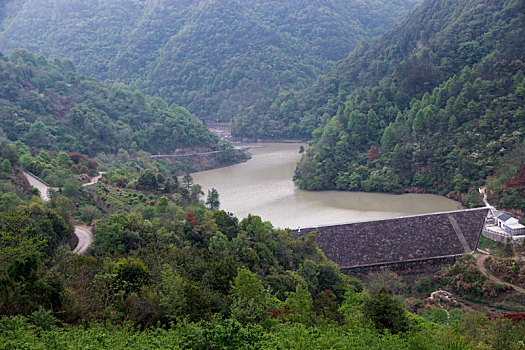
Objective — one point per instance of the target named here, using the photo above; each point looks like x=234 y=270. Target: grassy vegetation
x=495 y=248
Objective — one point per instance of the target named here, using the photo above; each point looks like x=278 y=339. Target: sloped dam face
x=263 y=186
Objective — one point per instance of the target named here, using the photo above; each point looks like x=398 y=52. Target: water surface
x=263 y=186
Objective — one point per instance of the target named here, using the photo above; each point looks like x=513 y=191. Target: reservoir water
x=263 y=186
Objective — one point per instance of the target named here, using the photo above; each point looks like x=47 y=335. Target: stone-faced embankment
x=402 y=240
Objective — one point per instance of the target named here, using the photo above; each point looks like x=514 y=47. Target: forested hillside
x=48 y=104
x=219 y=59
x=166 y=272
x=436 y=104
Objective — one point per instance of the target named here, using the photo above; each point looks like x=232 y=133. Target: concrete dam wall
x=400 y=242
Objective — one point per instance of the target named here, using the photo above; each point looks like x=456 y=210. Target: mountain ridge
x=208 y=56
x=444 y=119
x=48 y=104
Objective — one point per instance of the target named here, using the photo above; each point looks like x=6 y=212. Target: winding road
x=481 y=258
x=84 y=233
x=85 y=238
x=480 y=263
x=41 y=186
x=95 y=179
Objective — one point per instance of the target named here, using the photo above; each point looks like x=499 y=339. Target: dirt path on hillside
x=94 y=180
x=480 y=263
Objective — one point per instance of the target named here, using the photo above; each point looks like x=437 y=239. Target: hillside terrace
x=405 y=239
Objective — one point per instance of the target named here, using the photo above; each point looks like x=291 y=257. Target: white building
x=510 y=225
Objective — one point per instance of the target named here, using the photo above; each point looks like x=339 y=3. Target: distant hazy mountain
x=220 y=59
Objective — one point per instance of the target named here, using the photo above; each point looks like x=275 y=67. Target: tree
x=16 y=235
x=38 y=135
x=131 y=275
x=249 y=298
x=171 y=185
x=63 y=159
x=163 y=204
x=26 y=287
x=438 y=315
x=71 y=188
x=10 y=152
x=301 y=305
x=109 y=238
x=147 y=181
x=310 y=270
x=389 y=139
x=6 y=166
x=226 y=151
x=43 y=156
x=187 y=181
x=172 y=298
x=386 y=312
x=351 y=308
x=386 y=279
x=196 y=192
x=212 y=201
x=89 y=213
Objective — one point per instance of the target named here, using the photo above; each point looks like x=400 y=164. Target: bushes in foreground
x=41 y=331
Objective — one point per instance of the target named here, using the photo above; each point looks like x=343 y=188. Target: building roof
x=408 y=238
x=515 y=226
x=504 y=217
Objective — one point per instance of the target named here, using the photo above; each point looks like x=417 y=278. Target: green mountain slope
x=48 y=104
x=220 y=59
x=437 y=103
x=451 y=30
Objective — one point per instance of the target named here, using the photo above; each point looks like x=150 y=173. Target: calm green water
x=263 y=186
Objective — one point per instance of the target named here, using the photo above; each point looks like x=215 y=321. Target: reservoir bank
x=263 y=186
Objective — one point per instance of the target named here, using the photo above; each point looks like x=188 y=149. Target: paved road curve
x=83 y=233
x=36 y=183
x=85 y=238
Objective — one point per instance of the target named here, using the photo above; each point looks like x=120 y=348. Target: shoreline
x=264 y=187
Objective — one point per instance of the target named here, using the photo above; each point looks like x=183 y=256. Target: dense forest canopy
x=219 y=59
x=48 y=104
x=437 y=103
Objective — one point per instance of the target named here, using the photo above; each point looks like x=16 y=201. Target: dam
x=406 y=244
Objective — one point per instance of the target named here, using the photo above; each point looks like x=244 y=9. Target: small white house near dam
x=510 y=225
